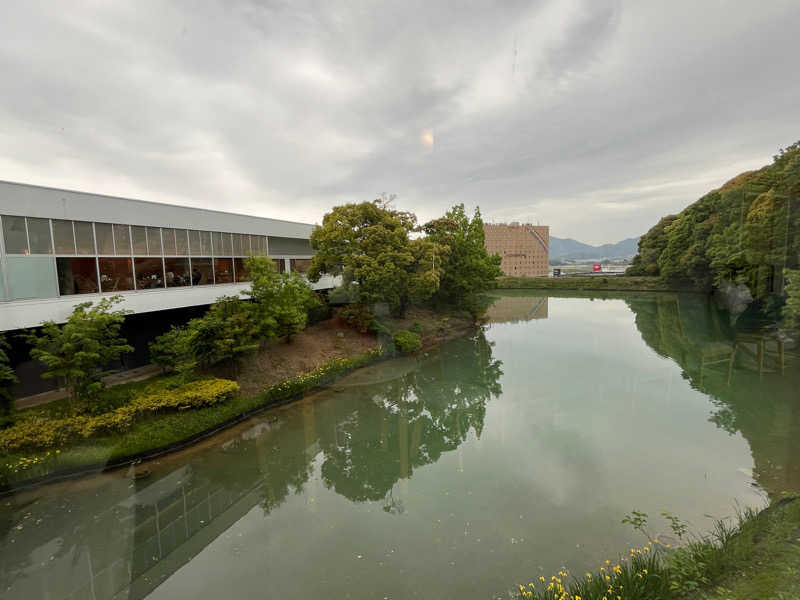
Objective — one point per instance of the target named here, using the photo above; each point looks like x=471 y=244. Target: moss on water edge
x=595 y=282
x=159 y=433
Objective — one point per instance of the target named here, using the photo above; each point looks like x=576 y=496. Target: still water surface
x=456 y=475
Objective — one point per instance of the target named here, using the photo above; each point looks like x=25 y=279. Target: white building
x=59 y=248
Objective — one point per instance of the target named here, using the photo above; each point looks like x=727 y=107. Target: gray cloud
x=593 y=117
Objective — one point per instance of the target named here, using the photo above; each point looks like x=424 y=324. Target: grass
x=156 y=432
x=757 y=557
x=594 y=282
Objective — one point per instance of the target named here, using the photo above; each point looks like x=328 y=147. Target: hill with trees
x=747 y=232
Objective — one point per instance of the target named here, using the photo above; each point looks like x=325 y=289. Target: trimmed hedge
x=41 y=432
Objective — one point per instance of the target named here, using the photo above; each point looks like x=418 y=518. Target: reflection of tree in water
x=410 y=421
x=366 y=439
x=752 y=393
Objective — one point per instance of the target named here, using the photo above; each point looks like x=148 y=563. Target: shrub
x=174 y=350
x=407 y=341
x=78 y=351
x=40 y=432
x=7 y=379
x=358 y=316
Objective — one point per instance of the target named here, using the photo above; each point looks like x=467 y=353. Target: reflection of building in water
x=513 y=308
x=752 y=378
x=102 y=538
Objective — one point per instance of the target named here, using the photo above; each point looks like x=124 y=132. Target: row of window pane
x=79 y=275
x=29 y=235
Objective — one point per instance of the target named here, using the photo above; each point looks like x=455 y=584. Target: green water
x=456 y=475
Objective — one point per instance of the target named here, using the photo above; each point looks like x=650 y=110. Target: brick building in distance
x=525 y=248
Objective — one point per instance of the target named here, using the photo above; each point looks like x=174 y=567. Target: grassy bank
x=141 y=419
x=757 y=557
x=599 y=283
x=155 y=433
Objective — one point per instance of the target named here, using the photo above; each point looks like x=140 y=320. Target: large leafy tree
x=467 y=269
x=7 y=379
x=79 y=352
x=370 y=246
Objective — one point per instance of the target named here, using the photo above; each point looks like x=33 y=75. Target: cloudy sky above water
x=593 y=117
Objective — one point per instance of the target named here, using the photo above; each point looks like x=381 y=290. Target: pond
x=457 y=474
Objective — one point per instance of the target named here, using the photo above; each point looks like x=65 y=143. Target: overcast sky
x=593 y=117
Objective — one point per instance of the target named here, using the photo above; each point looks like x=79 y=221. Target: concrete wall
x=34 y=201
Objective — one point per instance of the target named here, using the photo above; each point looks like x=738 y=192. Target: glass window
x=205 y=240
x=168 y=239
x=122 y=240
x=154 y=241
x=300 y=265
x=195 y=247
x=139 y=239
x=149 y=273
x=76 y=276
x=241 y=244
x=223 y=270
x=39 y=236
x=222 y=244
x=31 y=277
x=63 y=238
x=241 y=272
x=181 y=242
x=280 y=263
x=15 y=235
x=202 y=274
x=177 y=272
x=116 y=274
x=259 y=244
x=84 y=237
x=105 y=238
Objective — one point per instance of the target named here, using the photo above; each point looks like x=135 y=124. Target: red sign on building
x=597 y=267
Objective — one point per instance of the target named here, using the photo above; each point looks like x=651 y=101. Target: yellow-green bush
x=41 y=432
x=195 y=394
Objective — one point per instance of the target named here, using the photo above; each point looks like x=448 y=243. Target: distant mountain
x=567 y=248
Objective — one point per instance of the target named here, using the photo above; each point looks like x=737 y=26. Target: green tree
x=467 y=269
x=791 y=310
x=175 y=350
x=651 y=245
x=282 y=300
x=746 y=231
x=370 y=246
x=227 y=332
x=79 y=352
x=7 y=380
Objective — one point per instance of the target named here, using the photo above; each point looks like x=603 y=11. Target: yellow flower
x=588 y=576
x=608 y=562
x=644 y=571
x=541 y=578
